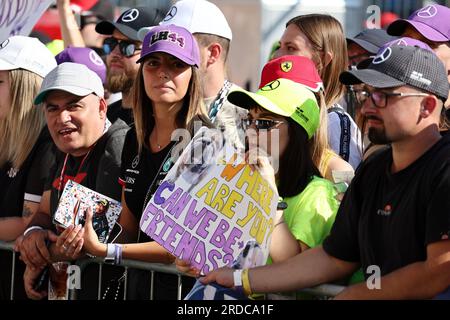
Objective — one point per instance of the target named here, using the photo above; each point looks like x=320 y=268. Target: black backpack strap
x=344 y=146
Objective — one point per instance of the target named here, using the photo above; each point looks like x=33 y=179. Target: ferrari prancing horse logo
x=286 y=66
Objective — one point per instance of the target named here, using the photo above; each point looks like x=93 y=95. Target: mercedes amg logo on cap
x=172 y=12
x=271 y=86
x=402 y=42
x=383 y=56
x=95 y=58
x=4 y=43
x=130 y=15
x=427 y=12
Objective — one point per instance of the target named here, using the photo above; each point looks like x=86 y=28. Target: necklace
x=156 y=138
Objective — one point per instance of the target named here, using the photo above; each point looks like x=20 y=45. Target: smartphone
x=42 y=283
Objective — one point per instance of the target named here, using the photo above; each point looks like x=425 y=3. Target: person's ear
x=103 y=107
x=214 y=52
x=427 y=106
x=328 y=57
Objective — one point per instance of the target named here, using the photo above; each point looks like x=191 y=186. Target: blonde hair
x=21 y=128
x=193 y=108
x=326 y=35
x=320 y=139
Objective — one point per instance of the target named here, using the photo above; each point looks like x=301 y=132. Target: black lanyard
x=217 y=104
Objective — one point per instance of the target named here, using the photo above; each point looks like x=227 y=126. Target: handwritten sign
x=18 y=17
x=212 y=209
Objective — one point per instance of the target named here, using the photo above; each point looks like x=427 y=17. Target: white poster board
x=18 y=17
x=213 y=212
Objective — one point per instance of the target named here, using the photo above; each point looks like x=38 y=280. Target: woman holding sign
x=167 y=97
x=287 y=111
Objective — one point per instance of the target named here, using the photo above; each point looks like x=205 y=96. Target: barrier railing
x=325 y=290
x=9 y=246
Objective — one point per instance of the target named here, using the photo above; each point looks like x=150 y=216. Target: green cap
x=285 y=98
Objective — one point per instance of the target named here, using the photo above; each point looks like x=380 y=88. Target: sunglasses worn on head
x=261 y=124
x=126 y=48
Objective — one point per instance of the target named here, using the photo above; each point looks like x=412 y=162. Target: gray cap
x=403 y=65
x=71 y=77
x=371 y=40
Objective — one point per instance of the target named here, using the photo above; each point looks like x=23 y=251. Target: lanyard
x=63 y=170
x=217 y=104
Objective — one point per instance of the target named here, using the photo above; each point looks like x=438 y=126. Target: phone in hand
x=42 y=282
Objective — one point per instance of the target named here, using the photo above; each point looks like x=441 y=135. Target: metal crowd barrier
x=325 y=290
x=9 y=246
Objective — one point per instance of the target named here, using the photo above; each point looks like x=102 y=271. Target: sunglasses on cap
x=127 y=48
x=260 y=124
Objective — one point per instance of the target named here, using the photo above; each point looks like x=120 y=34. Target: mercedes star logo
x=271 y=86
x=130 y=15
x=172 y=12
x=427 y=12
x=4 y=43
x=383 y=56
x=95 y=58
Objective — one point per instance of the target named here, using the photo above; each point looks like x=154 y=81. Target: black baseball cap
x=131 y=21
x=402 y=65
x=371 y=40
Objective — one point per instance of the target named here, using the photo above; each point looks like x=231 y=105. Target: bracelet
x=246 y=283
x=31 y=229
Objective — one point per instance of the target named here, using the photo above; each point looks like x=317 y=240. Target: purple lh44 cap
x=174 y=40
x=85 y=56
x=433 y=22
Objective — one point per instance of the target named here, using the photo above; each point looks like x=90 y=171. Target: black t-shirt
x=27 y=182
x=98 y=170
x=138 y=173
x=117 y=111
x=389 y=219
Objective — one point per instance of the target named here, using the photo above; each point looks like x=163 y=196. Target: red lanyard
x=61 y=177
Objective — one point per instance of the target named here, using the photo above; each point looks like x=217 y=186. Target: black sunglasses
x=260 y=124
x=127 y=48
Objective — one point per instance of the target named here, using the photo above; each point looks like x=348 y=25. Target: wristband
x=31 y=229
x=237 y=280
x=110 y=253
x=117 y=253
x=246 y=283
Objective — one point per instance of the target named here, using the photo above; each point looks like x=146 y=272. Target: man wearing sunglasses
x=122 y=50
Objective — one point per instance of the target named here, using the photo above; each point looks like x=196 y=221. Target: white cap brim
x=71 y=89
x=7 y=66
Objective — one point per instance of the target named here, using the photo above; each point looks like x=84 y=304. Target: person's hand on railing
x=69 y=243
x=33 y=249
x=30 y=277
x=185 y=267
x=222 y=276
